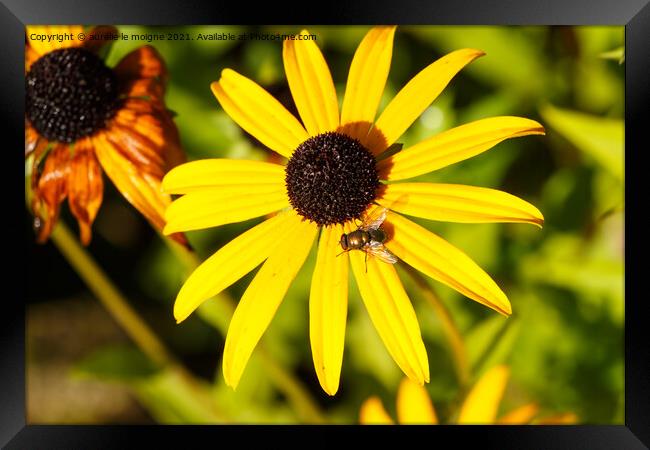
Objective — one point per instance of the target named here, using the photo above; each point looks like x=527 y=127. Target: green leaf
x=618 y=54
x=595 y=272
x=116 y=364
x=367 y=353
x=390 y=151
x=519 y=65
x=105 y=50
x=217 y=314
x=594 y=40
x=263 y=62
x=173 y=398
x=170 y=395
x=598 y=137
x=489 y=343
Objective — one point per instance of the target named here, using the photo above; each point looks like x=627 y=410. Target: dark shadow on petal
x=389 y=230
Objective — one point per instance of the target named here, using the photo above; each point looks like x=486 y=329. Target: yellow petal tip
x=329 y=385
x=167 y=230
x=536 y=127
x=418 y=377
x=227 y=72
x=179 y=316
x=472 y=53
x=503 y=307
x=537 y=218
x=230 y=377
x=232 y=384
x=164 y=184
x=502 y=304
x=329 y=388
x=477 y=53
x=390 y=28
x=331 y=392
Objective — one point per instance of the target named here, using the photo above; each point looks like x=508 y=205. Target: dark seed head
x=70 y=94
x=331 y=178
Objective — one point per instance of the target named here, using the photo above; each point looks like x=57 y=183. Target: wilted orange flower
x=82 y=116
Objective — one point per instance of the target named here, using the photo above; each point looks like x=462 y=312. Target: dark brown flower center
x=70 y=93
x=331 y=178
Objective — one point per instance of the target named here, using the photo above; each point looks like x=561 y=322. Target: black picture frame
x=633 y=14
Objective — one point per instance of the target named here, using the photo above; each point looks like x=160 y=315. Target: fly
x=369 y=238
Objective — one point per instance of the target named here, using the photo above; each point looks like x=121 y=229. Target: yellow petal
x=209 y=173
x=328 y=307
x=231 y=262
x=366 y=81
x=482 y=402
x=415 y=97
x=455 y=145
x=392 y=314
x=458 y=203
x=414 y=405
x=218 y=206
x=311 y=85
x=520 y=416
x=567 y=418
x=36 y=32
x=262 y=298
x=437 y=258
x=373 y=413
x=30 y=58
x=257 y=112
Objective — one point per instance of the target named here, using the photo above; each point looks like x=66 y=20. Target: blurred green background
x=564 y=340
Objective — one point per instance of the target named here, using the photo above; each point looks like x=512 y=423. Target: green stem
x=492 y=347
x=284 y=380
x=454 y=338
x=112 y=299
x=295 y=392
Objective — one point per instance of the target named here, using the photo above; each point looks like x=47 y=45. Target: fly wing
x=380 y=251
x=374 y=219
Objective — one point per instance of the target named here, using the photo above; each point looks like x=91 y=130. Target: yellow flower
x=480 y=406
x=332 y=178
x=82 y=118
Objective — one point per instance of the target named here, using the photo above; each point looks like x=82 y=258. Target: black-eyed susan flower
x=331 y=179
x=82 y=116
x=480 y=407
